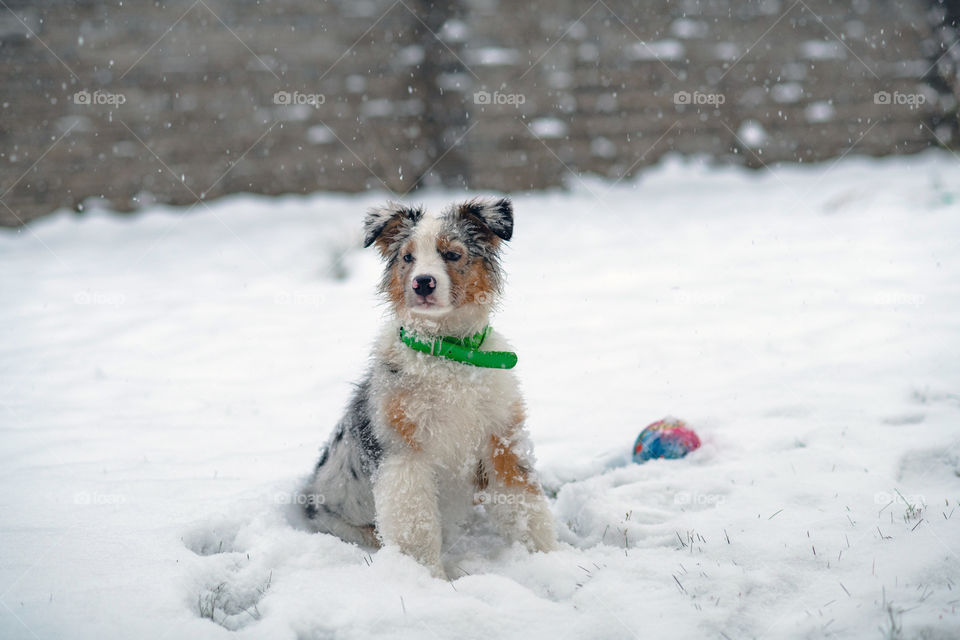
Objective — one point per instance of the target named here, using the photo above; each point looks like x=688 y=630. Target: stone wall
x=186 y=100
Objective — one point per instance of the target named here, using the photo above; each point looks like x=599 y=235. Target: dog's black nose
x=424 y=285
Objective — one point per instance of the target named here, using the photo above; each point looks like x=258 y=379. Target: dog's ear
x=494 y=214
x=385 y=225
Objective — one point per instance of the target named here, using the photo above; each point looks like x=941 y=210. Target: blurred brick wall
x=192 y=99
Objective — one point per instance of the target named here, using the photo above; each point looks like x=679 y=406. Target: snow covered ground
x=167 y=380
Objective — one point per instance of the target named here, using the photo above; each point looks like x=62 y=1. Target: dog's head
x=441 y=264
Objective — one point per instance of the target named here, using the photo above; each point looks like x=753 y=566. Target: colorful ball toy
x=667 y=438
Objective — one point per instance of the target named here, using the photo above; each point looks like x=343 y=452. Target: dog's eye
x=452 y=256
x=408 y=257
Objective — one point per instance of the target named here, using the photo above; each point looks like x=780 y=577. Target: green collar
x=465 y=350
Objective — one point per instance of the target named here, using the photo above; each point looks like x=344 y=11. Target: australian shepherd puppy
x=437 y=424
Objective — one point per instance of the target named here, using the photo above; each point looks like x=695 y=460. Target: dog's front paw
x=437 y=571
x=541 y=535
x=545 y=542
x=548 y=545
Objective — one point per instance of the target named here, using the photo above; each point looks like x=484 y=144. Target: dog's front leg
x=515 y=500
x=405 y=495
x=523 y=515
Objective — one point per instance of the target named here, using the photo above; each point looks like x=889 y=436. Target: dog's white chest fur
x=456 y=407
